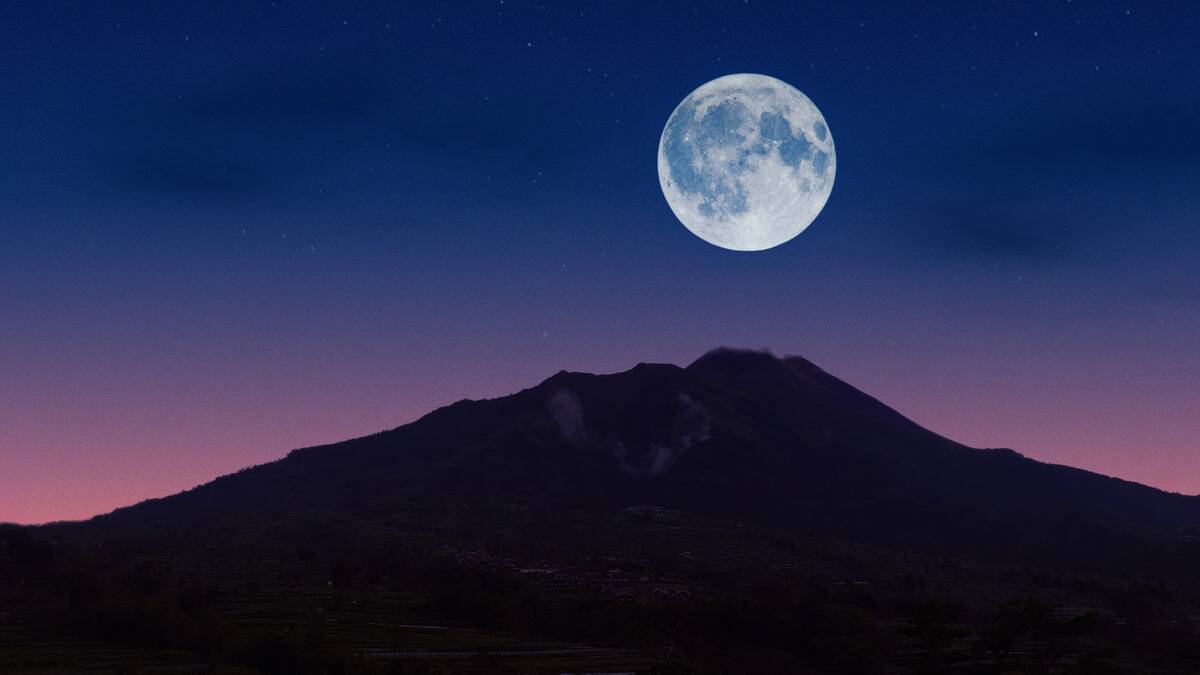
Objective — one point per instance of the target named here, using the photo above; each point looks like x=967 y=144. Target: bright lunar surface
x=746 y=162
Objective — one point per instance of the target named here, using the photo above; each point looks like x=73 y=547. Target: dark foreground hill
x=746 y=512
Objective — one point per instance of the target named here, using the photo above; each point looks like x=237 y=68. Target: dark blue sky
x=228 y=229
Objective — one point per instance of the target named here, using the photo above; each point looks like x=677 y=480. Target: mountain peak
x=759 y=369
x=722 y=356
x=743 y=359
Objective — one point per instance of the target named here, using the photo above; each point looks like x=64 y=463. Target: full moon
x=746 y=162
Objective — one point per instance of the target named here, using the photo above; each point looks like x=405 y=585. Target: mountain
x=738 y=435
x=746 y=513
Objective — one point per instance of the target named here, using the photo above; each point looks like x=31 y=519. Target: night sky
x=232 y=229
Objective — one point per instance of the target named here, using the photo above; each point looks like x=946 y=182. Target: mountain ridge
x=736 y=434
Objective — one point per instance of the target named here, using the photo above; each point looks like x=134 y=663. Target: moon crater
x=746 y=162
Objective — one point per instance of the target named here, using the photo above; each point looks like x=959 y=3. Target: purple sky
x=234 y=229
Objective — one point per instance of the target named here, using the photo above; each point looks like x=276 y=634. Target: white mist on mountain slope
x=567 y=412
x=692 y=423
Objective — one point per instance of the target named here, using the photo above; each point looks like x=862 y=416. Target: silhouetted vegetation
x=265 y=614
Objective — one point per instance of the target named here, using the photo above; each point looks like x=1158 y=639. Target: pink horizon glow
x=126 y=441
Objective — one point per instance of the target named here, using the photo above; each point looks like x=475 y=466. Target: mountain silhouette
x=741 y=435
x=745 y=513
